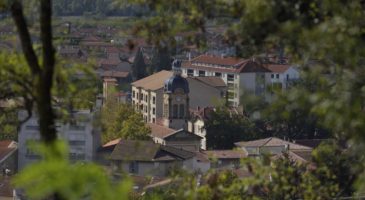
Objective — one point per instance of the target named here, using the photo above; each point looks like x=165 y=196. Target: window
x=230 y=77
x=182 y=111
x=137 y=96
x=153 y=120
x=190 y=72
x=201 y=73
x=153 y=100
x=287 y=77
x=133 y=167
x=153 y=110
x=77 y=128
x=174 y=111
x=141 y=97
x=272 y=76
x=218 y=74
x=277 y=75
x=133 y=94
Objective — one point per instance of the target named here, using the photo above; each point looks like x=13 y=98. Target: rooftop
x=153 y=82
x=271 y=142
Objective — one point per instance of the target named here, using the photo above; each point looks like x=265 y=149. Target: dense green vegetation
x=122 y=121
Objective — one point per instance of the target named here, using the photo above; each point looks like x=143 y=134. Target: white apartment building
x=81 y=136
x=239 y=74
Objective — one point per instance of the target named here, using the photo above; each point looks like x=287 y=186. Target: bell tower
x=176 y=99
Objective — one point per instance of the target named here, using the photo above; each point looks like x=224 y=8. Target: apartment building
x=148 y=93
x=239 y=74
x=79 y=133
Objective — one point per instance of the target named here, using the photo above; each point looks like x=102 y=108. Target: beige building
x=148 y=95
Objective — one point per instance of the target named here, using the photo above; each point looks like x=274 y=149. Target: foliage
x=161 y=60
x=224 y=128
x=54 y=174
x=139 y=67
x=8 y=124
x=122 y=121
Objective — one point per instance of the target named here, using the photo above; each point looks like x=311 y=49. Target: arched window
x=182 y=111
x=174 y=111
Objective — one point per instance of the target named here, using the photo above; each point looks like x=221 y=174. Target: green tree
x=139 y=66
x=224 y=128
x=122 y=121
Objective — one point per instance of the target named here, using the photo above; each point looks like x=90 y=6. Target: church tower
x=176 y=99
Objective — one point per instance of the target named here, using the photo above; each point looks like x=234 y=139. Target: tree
x=161 y=59
x=139 y=66
x=224 y=128
x=122 y=121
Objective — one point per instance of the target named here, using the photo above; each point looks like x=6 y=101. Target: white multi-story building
x=81 y=136
x=240 y=75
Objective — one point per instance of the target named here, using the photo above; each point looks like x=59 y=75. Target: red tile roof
x=276 y=68
x=228 y=65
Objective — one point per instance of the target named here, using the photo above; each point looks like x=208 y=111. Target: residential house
x=225 y=159
x=80 y=134
x=282 y=75
x=180 y=139
x=146 y=158
x=240 y=75
x=273 y=146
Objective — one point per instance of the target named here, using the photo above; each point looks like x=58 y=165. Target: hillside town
x=156 y=113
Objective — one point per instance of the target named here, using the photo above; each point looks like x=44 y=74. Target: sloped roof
x=160 y=131
x=277 y=68
x=135 y=150
x=7 y=147
x=251 y=66
x=153 y=82
x=239 y=66
x=181 y=153
x=112 y=142
x=270 y=142
x=298 y=156
x=226 y=154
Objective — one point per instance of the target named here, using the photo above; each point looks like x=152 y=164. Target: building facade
x=149 y=96
x=239 y=74
x=79 y=133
